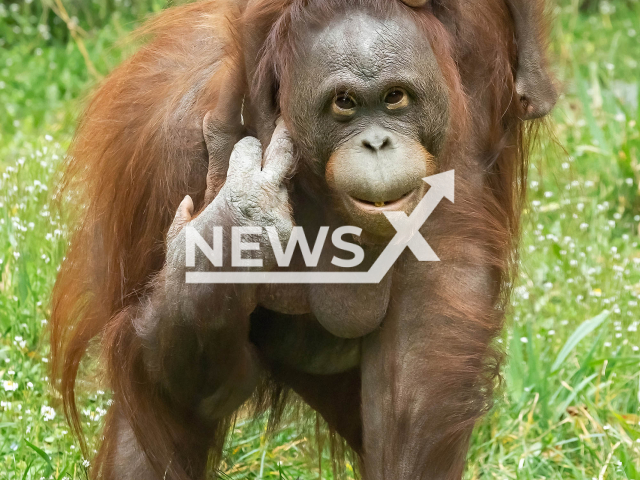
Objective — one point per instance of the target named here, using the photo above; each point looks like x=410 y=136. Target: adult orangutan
x=355 y=102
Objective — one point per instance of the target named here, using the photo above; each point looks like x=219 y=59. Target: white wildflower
x=47 y=413
x=9 y=385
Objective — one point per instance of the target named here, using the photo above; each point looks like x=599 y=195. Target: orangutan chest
x=344 y=310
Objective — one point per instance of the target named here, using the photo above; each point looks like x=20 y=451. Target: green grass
x=570 y=404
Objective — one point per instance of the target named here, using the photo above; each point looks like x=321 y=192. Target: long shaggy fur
x=139 y=150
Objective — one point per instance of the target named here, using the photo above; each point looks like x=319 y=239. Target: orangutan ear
x=534 y=86
x=534 y=82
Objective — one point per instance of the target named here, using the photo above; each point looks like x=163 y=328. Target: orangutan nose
x=376 y=139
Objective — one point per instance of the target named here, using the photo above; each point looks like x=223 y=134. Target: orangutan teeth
x=379 y=204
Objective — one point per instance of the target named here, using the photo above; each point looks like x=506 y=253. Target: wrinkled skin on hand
x=254 y=190
x=253 y=195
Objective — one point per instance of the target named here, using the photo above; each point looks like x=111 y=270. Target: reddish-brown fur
x=139 y=150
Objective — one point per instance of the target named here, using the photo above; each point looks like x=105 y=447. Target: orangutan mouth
x=386 y=205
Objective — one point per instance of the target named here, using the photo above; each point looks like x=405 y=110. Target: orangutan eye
x=396 y=98
x=344 y=104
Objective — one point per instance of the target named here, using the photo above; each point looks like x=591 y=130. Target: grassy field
x=570 y=405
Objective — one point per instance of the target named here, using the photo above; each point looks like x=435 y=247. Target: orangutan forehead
x=364 y=46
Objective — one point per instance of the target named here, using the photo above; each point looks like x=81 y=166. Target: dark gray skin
x=376 y=151
x=384 y=107
x=534 y=83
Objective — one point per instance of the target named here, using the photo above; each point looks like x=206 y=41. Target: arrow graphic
x=408 y=235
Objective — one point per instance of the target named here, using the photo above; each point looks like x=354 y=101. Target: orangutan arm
x=196 y=335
